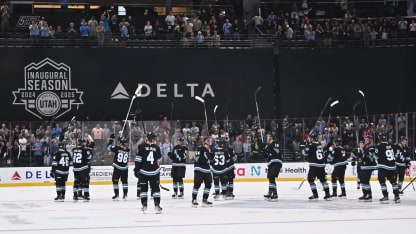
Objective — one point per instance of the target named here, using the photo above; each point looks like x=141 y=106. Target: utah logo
x=48 y=91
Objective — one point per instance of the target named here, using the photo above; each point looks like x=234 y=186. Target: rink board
x=247 y=172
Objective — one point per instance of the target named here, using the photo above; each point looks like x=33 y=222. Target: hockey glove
x=52 y=174
x=136 y=173
x=171 y=155
x=113 y=136
x=353 y=163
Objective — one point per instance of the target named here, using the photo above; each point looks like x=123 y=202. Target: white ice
x=32 y=210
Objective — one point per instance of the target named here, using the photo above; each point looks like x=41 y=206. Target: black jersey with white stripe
x=61 y=161
x=148 y=159
x=402 y=155
x=315 y=154
x=202 y=159
x=385 y=156
x=81 y=157
x=121 y=156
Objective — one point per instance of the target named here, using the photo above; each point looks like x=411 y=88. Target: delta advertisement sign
x=248 y=172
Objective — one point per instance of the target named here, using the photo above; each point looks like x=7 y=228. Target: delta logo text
x=161 y=90
x=48 y=90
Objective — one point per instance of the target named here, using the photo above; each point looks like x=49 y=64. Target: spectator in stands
x=34 y=33
x=236 y=29
x=92 y=24
x=170 y=22
x=100 y=34
x=412 y=29
x=216 y=39
x=37 y=153
x=247 y=150
x=71 y=31
x=104 y=19
x=51 y=32
x=200 y=39
x=226 y=28
x=84 y=31
x=124 y=34
x=114 y=27
x=59 y=34
x=5 y=18
x=132 y=28
x=148 y=30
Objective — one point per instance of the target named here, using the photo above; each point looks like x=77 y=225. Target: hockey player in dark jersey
x=230 y=172
x=61 y=161
x=178 y=155
x=82 y=156
x=274 y=164
x=402 y=155
x=220 y=170
x=315 y=154
x=365 y=158
x=384 y=152
x=147 y=170
x=202 y=172
x=120 y=165
x=336 y=156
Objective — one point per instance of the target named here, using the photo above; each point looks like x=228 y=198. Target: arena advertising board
x=44 y=82
x=246 y=172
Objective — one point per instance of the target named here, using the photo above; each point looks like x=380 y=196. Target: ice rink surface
x=32 y=210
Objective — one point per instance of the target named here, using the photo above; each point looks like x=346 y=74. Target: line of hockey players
x=214 y=163
x=80 y=159
x=391 y=161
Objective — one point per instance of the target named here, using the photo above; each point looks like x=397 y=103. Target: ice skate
x=194 y=203
x=158 y=209
x=206 y=203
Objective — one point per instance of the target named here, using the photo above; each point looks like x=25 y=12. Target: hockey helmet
x=382 y=136
x=151 y=136
x=81 y=141
x=312 y=136
x=181 y=139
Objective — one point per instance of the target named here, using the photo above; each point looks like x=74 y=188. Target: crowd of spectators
x=208 y=26
x=34 y=146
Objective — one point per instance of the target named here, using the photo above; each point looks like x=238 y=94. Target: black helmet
x=382 y=136
x=181 y=139
x=151 y=136
x=81 y=141
x=336 y=141
x=312 y=136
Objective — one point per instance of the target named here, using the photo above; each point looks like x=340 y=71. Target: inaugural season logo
x=48 y=91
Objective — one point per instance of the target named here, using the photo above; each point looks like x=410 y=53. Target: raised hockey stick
x=365 y=105
x=205 y=111
x=258 y=113
x=136 y=94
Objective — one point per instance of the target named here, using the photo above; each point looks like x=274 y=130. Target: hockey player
x=402 y=155
x=120 y=165
x=82 y=156
x=147 y=170
x=61 y=161
x=230 y=172
x=366 y=161
x=202 y=172
x=315 y=154
x=386 y=168
x=336 y=156
x=220 y=170
x=178 y=156
x=275 y=161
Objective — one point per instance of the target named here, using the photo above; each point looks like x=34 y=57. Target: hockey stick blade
x=215 y=108
x=257 y=90
x=199 y=99
x=164 y=188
